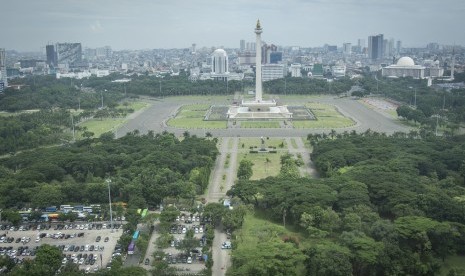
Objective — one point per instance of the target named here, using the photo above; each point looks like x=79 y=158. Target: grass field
x=191 y=117
x=294 y=143
x=265 y=164
x=260 y=124
x=327 y=117
x=262 y=168
x=98 y=126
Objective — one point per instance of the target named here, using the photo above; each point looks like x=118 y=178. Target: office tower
x=375 y=47
x=242 y=46
x=51 y=55
x=276 y=57
x=3 y=67
x=69 y=53
x=399 y=46
x=347 y=49
x=193 y=47
x=390 y=50
x=361 y=43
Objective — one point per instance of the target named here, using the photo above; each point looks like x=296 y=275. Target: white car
x=64 y=261
x=189 y=260
x=201 y=229
x=37 y=239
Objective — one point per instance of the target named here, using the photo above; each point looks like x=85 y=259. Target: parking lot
x=90 y=245
x=193 y=261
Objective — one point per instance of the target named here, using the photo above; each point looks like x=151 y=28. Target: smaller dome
x=220 y=53
x=405 y=61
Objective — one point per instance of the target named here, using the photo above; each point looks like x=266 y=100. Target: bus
x=144 y=213
x=131 y=248
x=135 y=236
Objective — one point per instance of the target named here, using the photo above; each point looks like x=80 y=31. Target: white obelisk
x=258 y=61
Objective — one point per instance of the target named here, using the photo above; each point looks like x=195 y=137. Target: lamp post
x=109 y=200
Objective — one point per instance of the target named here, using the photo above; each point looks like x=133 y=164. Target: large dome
x=220 y=53
x=405 y=61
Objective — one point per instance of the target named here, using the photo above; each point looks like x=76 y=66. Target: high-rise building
x=390 y=50
x=51 y=55
x=376 y=47
x=399 y=46
x=193 y=49
x=347 y=49
x=276 y=57
x=69 y=53
x=242 y=45
x=3 y=68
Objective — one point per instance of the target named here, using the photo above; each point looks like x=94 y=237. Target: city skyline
x=144 y=24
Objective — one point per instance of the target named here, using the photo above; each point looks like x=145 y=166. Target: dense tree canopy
x=141 y=167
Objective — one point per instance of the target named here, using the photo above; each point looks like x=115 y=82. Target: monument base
x=263 y=110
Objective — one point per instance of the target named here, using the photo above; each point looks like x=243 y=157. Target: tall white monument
x=258 y=108
x=258 y=62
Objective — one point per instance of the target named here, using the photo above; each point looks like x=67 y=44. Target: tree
x=51 y=255
x=215 y=211
x=328 y=259
x=245 y=171
x=268 y=258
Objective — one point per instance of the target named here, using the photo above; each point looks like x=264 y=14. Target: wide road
x=155 y=117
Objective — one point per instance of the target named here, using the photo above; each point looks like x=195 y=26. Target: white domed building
x=220 y=62
x=220 y=68
x=404 y=67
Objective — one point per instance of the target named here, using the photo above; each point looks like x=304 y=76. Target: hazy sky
x=146 y=24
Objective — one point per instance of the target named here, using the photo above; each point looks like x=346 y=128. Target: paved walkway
x=216 y=192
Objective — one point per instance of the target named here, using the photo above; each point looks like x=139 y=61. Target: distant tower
x=51 y=55
x=258 y=62
x=193 y=47
x=376 y=47
x=452 y=69
x=242 y=45
x=3 y=67
x=347 y=49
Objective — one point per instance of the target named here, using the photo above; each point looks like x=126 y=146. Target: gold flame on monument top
x=258 y=24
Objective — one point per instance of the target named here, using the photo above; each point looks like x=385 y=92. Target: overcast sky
x=147 y=24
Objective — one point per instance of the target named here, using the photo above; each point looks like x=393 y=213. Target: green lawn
x=327 y=117
x=101 y=126
x=294 y=143
x=262 y=168
x=98 y=126
x=260 y=124
x=250 y=142
x=191 y=117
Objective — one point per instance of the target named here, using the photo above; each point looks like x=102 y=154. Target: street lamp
x=109 y=200
x=101 y=94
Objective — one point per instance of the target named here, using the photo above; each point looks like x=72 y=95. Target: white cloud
x=97 y=27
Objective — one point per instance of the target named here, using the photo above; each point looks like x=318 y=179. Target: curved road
x=155 y=117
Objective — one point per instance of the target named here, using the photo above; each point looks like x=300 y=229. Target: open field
x=251 y=142
x=265 y=164
x=191 y=117
x=246 y=124
x=327 y=117
x=100 y=126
